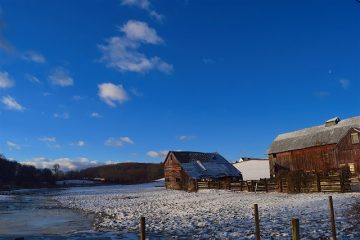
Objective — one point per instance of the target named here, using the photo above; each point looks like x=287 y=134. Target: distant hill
x=124 y=173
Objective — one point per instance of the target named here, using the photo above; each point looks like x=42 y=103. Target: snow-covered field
x=215 y=213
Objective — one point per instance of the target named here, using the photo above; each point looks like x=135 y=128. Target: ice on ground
x=215 y=213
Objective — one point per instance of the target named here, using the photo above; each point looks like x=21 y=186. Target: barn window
x=355 y=138
x=177 y=179
x=274 y=155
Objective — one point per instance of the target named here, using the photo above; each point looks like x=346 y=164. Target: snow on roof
x=201 y=165
x=314 y=136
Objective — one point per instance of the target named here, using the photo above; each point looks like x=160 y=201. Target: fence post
x=142 y=228
x=281 y=185
x=266 y=185
x=257 y=222
x=332 y=218
x=318 y=185
x=295 y=229
x=342 y=182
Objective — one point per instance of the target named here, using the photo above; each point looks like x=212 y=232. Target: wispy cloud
x=95 y=115
x=66 y=164
x=118 y=142
x=144 y=5
x=208 y=60
x=31 y=78
x=112 y=94
x=48 y=139
x=50 y=142
x=34 y=56
x=345 y=83
x=61 y=77
x=13 y=146
x=322 y=94
x=80 y=143
x=4 y=43
x=122 y=53
x=63 y=115
x=6 y=81
x=184 y=138
x=157 y=154
x=11 y=104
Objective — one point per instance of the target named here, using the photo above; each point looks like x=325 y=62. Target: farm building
x=331 y=145
x=253 y=168
x=184 y=169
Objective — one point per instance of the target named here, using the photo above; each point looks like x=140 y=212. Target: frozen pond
x=36 y=215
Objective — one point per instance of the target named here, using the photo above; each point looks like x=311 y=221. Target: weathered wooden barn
x=332 y=145
x=184 y=169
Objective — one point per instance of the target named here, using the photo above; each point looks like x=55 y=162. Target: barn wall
x=175 y=177
x=348 y=153
x=319 y=158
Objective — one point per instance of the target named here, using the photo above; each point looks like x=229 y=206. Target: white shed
x=253 y=168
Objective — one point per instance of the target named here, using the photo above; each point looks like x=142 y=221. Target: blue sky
x=90 y=82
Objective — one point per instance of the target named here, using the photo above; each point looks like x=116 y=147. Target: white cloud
x=112 y=94
x=79 y=143
x=140 y=31
x=11 y=104
x=95 y=115
x=157 y=154
x=61 y=77
x=345 y=83
x=66 y=164
x=34 y=57
x=13 y=146
x=144 y=5
x=5 y=80
x=185 y=138
x=121 y=53
x=64 y=115
x=118 y=142
x=32 y=78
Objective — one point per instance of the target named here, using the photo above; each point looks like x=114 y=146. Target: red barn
x=331 y=145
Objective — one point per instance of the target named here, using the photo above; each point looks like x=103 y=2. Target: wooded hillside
x=125 y=173
x=15 y=174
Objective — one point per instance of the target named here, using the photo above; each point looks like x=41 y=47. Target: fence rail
x=291 y=183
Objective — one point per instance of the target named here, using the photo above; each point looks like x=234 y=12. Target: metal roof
x=202 y=165
x=314 y=136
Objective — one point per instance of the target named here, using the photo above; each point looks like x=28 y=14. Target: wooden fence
x=298 y=182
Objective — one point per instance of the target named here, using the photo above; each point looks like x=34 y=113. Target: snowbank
x=216 y=213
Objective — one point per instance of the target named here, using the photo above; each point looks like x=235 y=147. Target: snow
x=254 y=169
x=5 y=197
x=214 y=213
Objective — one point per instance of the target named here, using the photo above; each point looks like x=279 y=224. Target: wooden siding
x=175 y=177
x=347 y=152
x=318 y=158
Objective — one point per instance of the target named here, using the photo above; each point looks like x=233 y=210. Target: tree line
x=13 y=173
x=123 y=173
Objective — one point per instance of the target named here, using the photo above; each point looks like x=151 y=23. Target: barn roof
x=315 y=136
x=201 y=165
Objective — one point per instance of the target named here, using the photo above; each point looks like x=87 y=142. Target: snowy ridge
x=216 y=213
